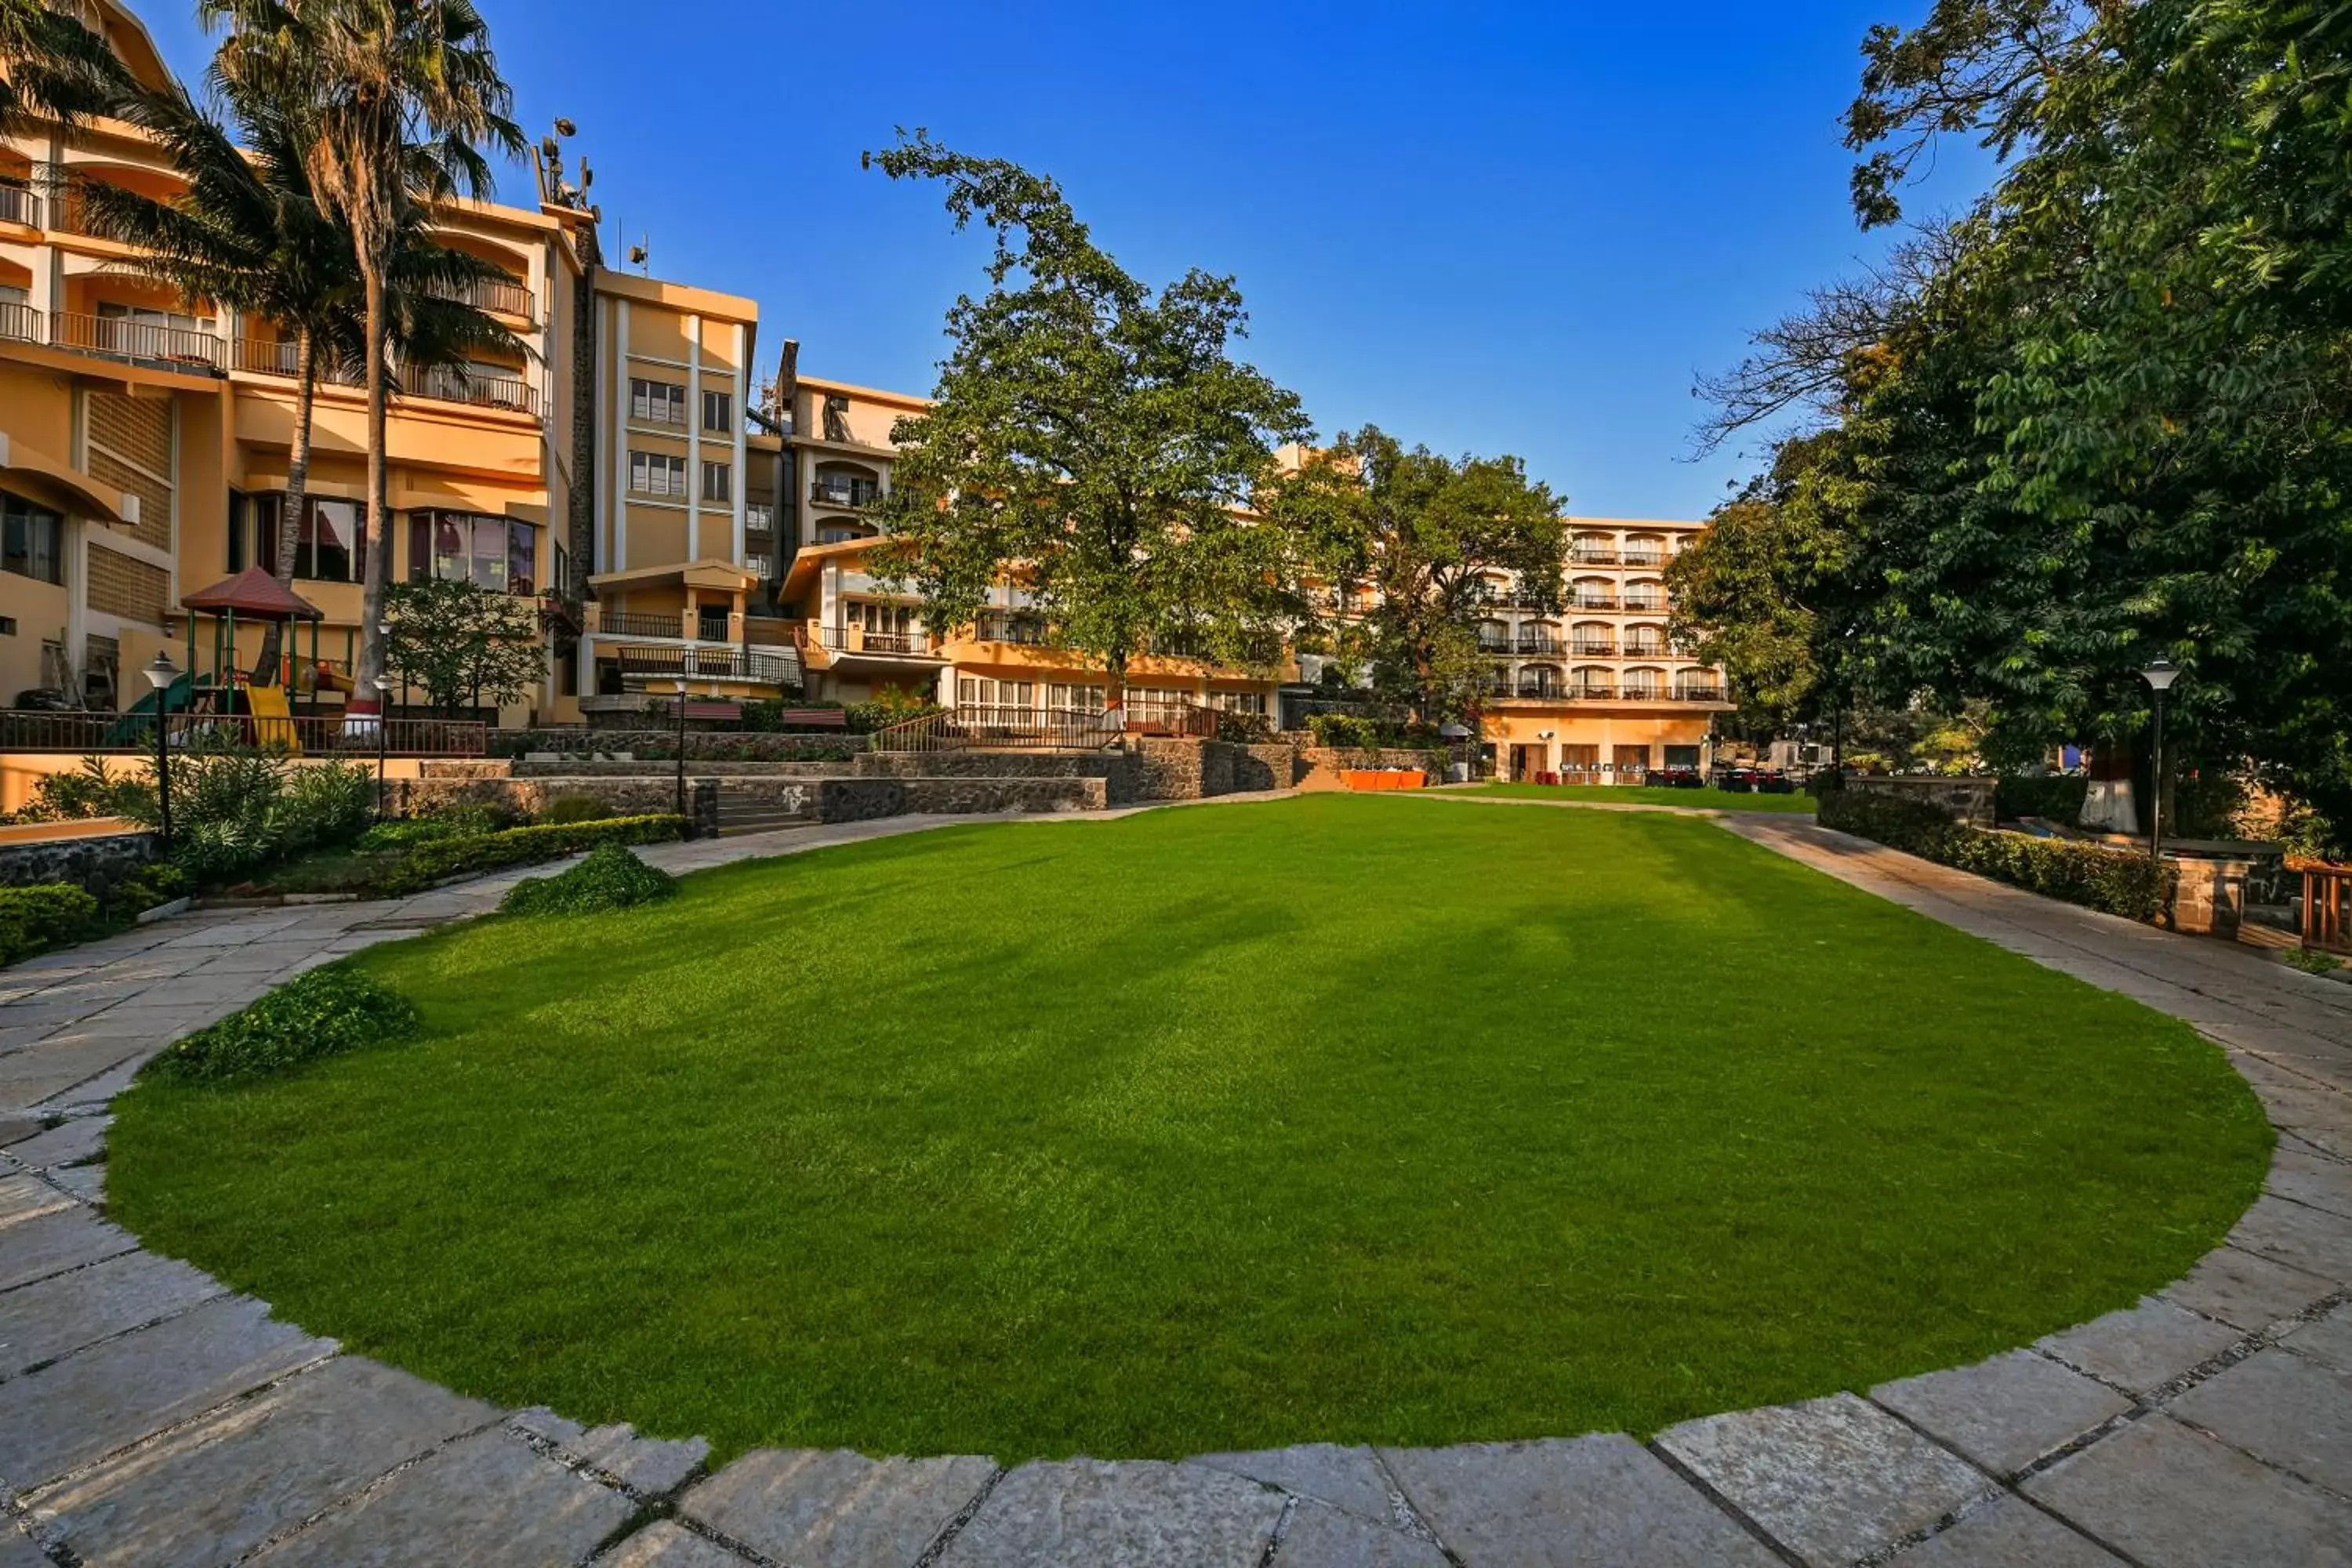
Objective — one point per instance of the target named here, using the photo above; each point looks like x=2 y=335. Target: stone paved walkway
x=148 y=1416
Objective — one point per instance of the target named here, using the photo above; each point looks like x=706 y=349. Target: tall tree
x=465 y=644
x=1423 y=540
x=394 y=102
x=57 y=68
x=1092 y=441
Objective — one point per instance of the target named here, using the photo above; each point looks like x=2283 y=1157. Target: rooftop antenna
x=641 y=255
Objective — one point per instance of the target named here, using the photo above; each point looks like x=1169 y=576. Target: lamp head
x=383 y=683
x=160 y=673
x=2161 y=674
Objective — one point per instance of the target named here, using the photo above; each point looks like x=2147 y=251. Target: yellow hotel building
x=669 y=514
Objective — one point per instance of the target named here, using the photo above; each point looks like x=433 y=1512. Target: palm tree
x=57 y=68
x=393 y=102
x=250 y=234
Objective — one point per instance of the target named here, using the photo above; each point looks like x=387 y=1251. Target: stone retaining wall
x=96 y=864
x=727 y=745
x=1969 y=800
x=1120 y=772
x=861 y=799
x=642 y=795
x=571 y=768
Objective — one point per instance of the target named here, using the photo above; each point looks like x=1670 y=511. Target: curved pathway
x=148 y=1416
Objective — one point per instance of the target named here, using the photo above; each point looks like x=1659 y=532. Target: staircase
x=742 y=812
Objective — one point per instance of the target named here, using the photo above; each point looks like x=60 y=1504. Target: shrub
x=144 y=888
x=330 y=803
x=566 y=808
x=2309 y=961
x=2057 y=798
x=447 y=821
x=324 y=1013
x=1244 y=729
x=48 y=915
x=890 y=706
x=91 y=790
x=610 y=879
x=430 y=862
x=2117 y=882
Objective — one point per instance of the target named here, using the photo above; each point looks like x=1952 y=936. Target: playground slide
x=175 y=700
x=272 y=719
x=327 y=678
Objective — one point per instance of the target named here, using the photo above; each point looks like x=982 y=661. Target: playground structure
x=227 y=703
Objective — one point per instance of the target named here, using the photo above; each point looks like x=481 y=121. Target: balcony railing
x=857 y=640
x=618 y=623
x=1647 y=650
x=507 y=296
x=1699 y=694
x=1594 y=602
x=506 y=392
x=769 y=668
x=759 y=519
x=308 y=734
x=844 y=492
x=768 y=631
x=1644 y=558
x=18 y=205
x=142 y=343
x=21 y=323
x=1593 y=556
x=1593 y=647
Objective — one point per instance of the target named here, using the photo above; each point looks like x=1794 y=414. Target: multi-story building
x=1595 y=693
x=144 y=437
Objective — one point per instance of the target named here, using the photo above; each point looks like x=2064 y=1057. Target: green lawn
x=1649 y=795
x=1334 y=1119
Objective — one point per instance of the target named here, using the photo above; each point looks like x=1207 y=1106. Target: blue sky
x=1506 y=229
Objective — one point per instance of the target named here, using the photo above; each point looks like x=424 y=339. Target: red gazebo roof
x=256 y=593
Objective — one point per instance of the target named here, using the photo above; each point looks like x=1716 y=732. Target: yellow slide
x=273 y=722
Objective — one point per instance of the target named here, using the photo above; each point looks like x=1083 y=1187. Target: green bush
x=324 y=1013
x=610 y=879
x=328 y=804
x=566 y=808
x=144 y=888
x=2055 y=797
x=1244 y=729
x=430 y=862
x=2118 y=882
x=2309 y=961
x=91 y=790
x=890 y=706
x=48 y=915
x=236 y=809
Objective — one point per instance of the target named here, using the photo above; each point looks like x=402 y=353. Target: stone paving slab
x=2327 y=1341
x=2286 y=1410
x=487 y=1501
x=61 y=1314
x=1832 y=1479
x=1584 y=1502
x=834 y=1508
x=2142 y=1348
x=645 y=1467
x=2312 y=1181
x=2005 y=1413
x=1084 y=1513
x=664 y=1545
x=70 y=1238
x=2008 y=1533
x=2171 y=1498
x=24 y=1198
x=237 y=1476
x=15 y=1127
x=18 y=1551
x=1321 y=1537
x=87 y=1406
x=2307 y=1238
x=74 y=1142
x=32 y=1074
x=1349 y=1479
x=2248 y=1290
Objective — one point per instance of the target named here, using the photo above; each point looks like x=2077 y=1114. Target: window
x=1074 y=699
x=840 y=533
x=718 y=411
x=1682 y=757
x=462 y=547
x=656 y=474
x=998 y=700
x=34 y=540
x=656 y=401
x=1238 y=702
x=329 y=544
x=718 y=482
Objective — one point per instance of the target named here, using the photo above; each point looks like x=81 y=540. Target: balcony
x=139 y=342
x=1520 y=648
x=20 y=323
x=1593 y=647
x=279 y=358
x=780 y=666
x=502 y=295
x=1701 y=694
x=1592 y=556
x=509 y=392
x=844 y=492
x=615 y=623
x=18 y=205
x=857 y=640
x=759 y=517
x=1594 y=602
x=1647 y=650
x=1650 y=558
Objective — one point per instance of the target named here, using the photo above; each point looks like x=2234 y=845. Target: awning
x=40 y=478
x=253 y=592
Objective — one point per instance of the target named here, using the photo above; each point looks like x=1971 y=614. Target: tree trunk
x=1115 y=693
x=297 y=486
x=365 y=698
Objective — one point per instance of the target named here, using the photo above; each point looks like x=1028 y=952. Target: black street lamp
x=383 y=729
x=160 y=675
x=2160 y=675
x=680 y=684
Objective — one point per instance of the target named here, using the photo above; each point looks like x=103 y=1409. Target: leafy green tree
x=392 y=103
x=1092 y=442
x=1415 y=546
x=468 y=646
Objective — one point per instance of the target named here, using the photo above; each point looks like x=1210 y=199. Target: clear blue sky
x=1488 y=228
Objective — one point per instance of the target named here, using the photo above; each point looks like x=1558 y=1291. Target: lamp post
x=160 y=675
x=2159 y=675
x=680 y=684
x=382 y=728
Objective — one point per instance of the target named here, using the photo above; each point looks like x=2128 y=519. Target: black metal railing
x=1582 y=556
x=1594 y=602
x=507 y=296
x=512 y=393
x=140 y=342
x=18 y=205
x=303 y=734
x=1593 y=647
x=858 y=640
x=844 y=492
x=778 y=667
x=620 y=622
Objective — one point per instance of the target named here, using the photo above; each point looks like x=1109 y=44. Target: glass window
x=656 y=401
x=718 y=410
x=462 y=547
x=656 y=474
x=32 y=539
x=718 y=481
x=332 y=544
x=522 y=558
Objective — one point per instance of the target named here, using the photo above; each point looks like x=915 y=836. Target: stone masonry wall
x=1120 y=772
x=95 y=864
x=639 y=796
x=700 y=767
x=740 y=746
x=859 y=800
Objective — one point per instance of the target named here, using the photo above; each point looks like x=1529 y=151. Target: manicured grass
x=1649 y=795
x=1334 y=1119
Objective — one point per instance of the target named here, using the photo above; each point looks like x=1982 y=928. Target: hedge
x=2057 y=798
x=48 y=914
x=431 y=862
x=326 y=1012
x=610 y=879
x=2114 y=882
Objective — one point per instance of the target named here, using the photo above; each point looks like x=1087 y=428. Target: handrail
x=121 y=337
x=308 y=734
x=2326 y=907
x=20 y=323
x=18 y=205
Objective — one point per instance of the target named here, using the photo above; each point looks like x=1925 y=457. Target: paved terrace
x=148 y=1416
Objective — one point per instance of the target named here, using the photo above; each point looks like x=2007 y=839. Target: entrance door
x=1525 y=762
